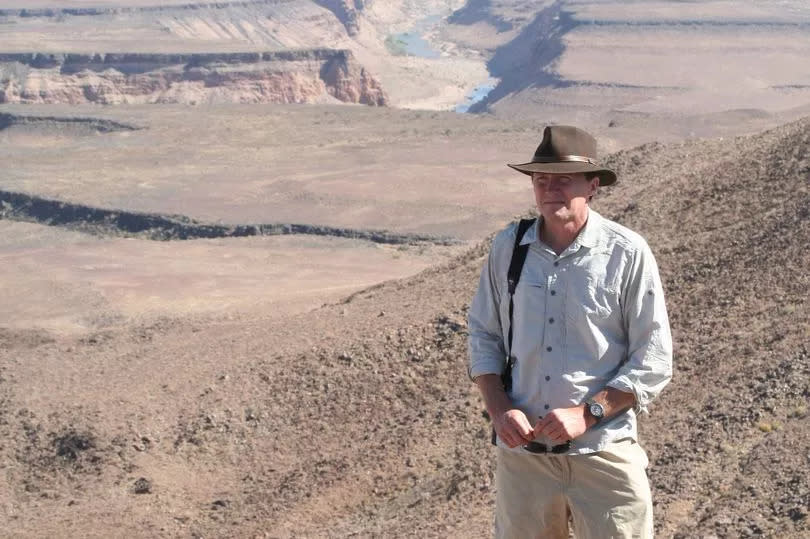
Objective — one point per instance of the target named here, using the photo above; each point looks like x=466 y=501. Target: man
x=585 y=344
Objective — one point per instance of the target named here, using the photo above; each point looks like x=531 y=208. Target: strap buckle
x=538 y=448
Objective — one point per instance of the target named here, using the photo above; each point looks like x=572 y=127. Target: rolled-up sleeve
x=485 y=342
x=648 y=367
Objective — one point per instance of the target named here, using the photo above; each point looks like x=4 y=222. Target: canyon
x=369 y=75
x=240 y=239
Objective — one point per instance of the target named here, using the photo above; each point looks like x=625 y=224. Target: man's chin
x=555 y=211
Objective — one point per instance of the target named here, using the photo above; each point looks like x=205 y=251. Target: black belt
x=535 y=447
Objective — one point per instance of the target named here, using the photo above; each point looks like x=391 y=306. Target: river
x=413 y=43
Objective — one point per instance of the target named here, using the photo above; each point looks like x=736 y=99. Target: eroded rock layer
x=305 y=76
x=90 y=11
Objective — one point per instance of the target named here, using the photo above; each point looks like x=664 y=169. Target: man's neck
x=559 y=234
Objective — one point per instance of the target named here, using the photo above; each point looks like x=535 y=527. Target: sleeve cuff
x=623 y=383
x=482 y=367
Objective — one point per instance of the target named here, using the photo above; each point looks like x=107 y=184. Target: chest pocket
x=592 y=293
x=598 y=301
x=530 y=298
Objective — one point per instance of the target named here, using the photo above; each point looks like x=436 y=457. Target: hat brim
x=606 y=176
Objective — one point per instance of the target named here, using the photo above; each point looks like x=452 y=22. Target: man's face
x=563 y=196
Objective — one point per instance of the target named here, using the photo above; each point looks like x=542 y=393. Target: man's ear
x=594 y=187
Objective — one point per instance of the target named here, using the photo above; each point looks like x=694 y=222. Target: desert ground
x=247 y=317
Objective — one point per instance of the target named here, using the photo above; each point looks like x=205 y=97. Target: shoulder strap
x=518 y=255
x=513 y=276
x=515 y=267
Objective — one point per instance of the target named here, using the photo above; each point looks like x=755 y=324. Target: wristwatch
x=596 y=410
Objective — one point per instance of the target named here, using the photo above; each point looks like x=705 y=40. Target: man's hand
x=513 y=428
x=510 y=424
x=563 y=424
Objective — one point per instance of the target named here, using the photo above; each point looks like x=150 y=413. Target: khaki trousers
x=607 y=494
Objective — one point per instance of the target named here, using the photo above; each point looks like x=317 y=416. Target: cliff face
x=311 y=76
x=348 y=81
x=346 y=11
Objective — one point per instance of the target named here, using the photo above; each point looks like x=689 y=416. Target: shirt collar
x=587 y=237
x=592 y=231
x=532 y=234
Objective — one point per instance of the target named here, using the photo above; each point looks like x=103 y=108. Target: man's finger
x=554 y=437
x=558 y=434
x=541 y=424
x=509 y=434
x=511 y=439
x=522 y=428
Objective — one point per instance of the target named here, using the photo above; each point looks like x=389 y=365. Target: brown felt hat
x=566 y=150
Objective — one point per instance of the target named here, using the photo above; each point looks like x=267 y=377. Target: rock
x=219 y=504
x=142 y=486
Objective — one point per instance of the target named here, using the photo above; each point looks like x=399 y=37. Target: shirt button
x=550 y=320
x=556 y=264
x=548 y=378
x=546 y=406
x=553 y=292
x=548 y=349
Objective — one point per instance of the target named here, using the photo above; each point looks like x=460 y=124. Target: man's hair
x=589 y=176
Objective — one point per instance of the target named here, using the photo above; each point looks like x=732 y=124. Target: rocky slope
x=310 y=76
x=357 y=419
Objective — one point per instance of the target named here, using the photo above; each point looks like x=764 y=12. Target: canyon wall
x=91 y=11
x=346 y=11
x=304 y=76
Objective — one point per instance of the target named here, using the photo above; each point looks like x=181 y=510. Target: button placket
x=551 y=337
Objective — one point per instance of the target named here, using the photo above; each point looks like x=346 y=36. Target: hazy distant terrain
x=561 y=60
x=330 y=165
x=240 y=238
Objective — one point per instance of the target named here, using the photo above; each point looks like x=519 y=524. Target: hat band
x=563 y=159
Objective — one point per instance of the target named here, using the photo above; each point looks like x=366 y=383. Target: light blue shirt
x=592 y=317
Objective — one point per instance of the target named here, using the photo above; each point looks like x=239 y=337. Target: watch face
x=597 y=410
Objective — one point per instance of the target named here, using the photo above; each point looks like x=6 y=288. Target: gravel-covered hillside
x=357 y=419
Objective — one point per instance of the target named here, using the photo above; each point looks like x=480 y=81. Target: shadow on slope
x=153 y=226
x=52 y=125
x=528 y=59
x=477 y=11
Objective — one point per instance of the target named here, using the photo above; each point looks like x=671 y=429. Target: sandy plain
x=69 y=282
x=350 y=167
